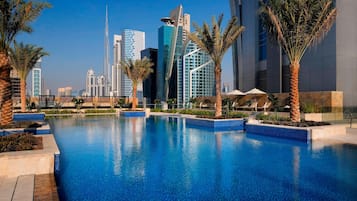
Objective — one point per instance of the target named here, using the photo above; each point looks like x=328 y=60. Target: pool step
x=17 y=189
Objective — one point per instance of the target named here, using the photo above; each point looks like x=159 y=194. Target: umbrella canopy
x=255 y=91
x=235 y=92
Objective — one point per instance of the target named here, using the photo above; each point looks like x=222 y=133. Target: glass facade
x=197 y=75
x=166 y=33
x=133 y=42
x=36 y=80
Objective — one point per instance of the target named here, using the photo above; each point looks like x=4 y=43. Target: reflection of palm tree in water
x=218 y=140
x=296 y=170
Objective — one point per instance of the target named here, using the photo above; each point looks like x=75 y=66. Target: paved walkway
x=29 y=188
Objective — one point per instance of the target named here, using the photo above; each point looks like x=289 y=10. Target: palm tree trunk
x=23 y=95
x=133 y=106
x=294 y=92
x=5 y=91
x=217 y=72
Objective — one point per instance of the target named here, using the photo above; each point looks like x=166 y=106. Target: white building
x=197 y=74
x=37 y=79
x=132 y=43
x=116 y=73
x=91 y=83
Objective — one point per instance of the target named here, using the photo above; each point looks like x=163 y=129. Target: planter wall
x=294 y=133
x=217 y=124
x=132 y=113
x=29 y=116
x=44 y=129
x=14 y=164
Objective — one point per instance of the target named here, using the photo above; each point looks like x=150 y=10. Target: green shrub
x=271 y=117
x=18 y=142
x=100 y=111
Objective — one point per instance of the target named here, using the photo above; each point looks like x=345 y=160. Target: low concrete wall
x=217 y=124
x=322 y=132
x=323 y=116
x=14 y=164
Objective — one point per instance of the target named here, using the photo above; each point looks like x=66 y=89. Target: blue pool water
x=113 y=158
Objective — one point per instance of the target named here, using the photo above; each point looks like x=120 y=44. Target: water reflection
x=160 y=158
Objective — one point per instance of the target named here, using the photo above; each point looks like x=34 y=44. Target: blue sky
x=72 y=31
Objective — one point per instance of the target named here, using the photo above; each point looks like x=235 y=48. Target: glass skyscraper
x=172 y=36
x=132 y=43
x=330 y=66
x=197 y=78
x=37 y=79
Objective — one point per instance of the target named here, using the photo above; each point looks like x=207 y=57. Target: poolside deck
x=29 y=187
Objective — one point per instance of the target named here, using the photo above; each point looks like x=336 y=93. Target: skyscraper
x=197 y=78
x=37 y=79
x=172 y=36
x=106 y=73
x=149 y=85
x=91 y=83
x=330 y=66
x=132 y=43
x=116 y=72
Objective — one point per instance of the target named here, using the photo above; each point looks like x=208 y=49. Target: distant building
x=15 y=87
x=91 y=83
x=133 y=42
x=48 y=92
x=116 y=72
x=172 y=36
x=330 y=66
x=64 y=91
x=197 y=76
x=37 y=79
x=149 y=85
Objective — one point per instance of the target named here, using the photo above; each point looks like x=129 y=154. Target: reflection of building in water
x=126 y=138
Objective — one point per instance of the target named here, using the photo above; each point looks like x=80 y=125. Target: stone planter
x=305 y=134
x=29 y=117
x=216 y=124
x=128 y=113
x=14 y=164
x=287 y=132
x=44 y=129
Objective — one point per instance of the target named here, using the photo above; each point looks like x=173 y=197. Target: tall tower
x=133 y=42
x=106 y=71
x=116 y=72
x=36 y=79
x=172 y=36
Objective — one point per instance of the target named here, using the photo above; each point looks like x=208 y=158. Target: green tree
x=216 y=43
x=137 y=71
x=23 y=58
x=297 y=25
x=15 y=17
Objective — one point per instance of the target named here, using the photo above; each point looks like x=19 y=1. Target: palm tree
x=216 y=43
x=15 y=17
x=23 y=58
x=137 y=71
x=297 y=25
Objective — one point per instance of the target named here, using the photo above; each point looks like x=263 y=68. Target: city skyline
x=75 y=40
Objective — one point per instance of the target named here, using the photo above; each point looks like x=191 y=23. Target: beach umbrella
x=235 y=92
x=255 y=91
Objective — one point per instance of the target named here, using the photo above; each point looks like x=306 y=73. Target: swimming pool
x=160 y=158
